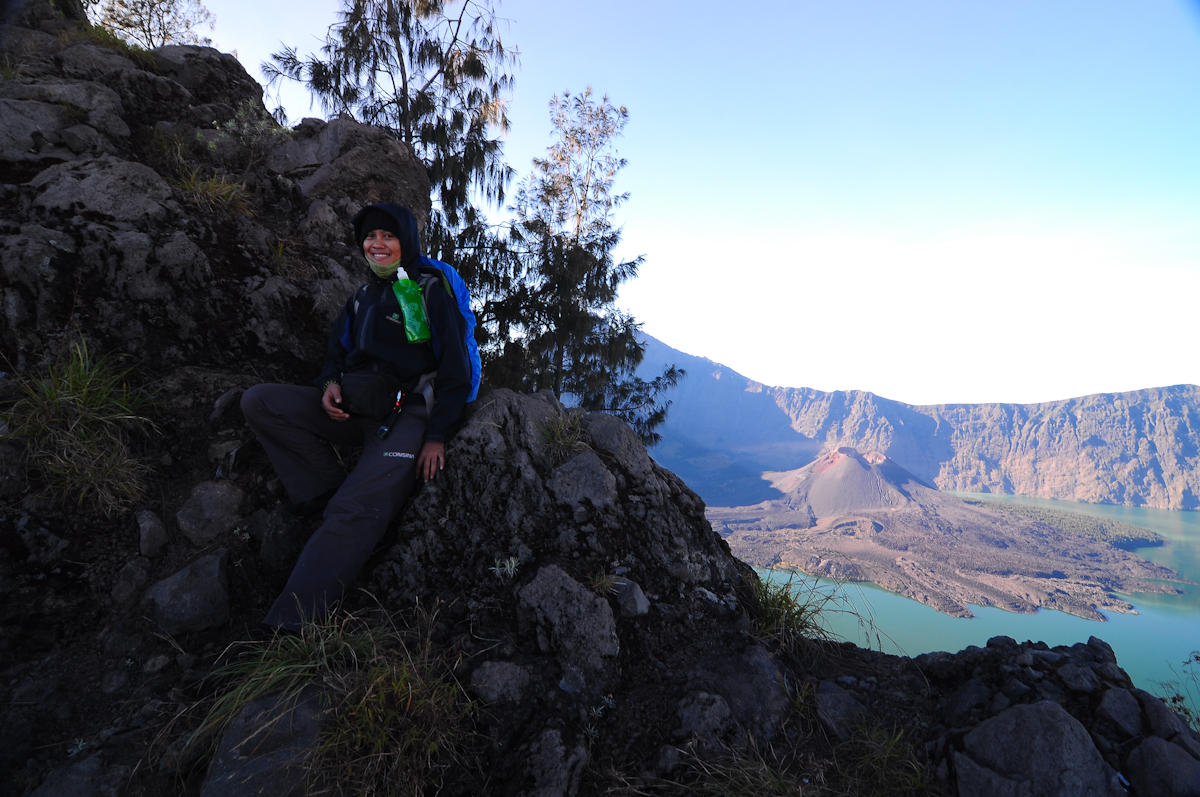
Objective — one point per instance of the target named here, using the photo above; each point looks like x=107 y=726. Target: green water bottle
x=408 y=294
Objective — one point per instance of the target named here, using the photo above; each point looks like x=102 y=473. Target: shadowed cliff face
x=1140 y=448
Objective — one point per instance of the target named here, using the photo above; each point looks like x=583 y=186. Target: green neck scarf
x=384 y=272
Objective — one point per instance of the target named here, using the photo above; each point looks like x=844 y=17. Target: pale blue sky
x=936 y=201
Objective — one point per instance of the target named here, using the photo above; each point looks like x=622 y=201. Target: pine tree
x=433 y=73
x=558 y=328
x=155 y=23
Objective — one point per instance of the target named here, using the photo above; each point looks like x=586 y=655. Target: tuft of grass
x=789 y=614
x=878 y=762
x=288 y=263
x=1183 y=694
x=565 y=436
x=95 y=34
x=396 y=720
x=215 y=193
x=78 y=420
x=603 y=584
x=748 y=774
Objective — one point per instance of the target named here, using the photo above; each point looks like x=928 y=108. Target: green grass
x=78 y=419
x=788 y=613
x=1113 y=532
x=877 y=762
x=565 y=436
x=397 y=720
x=214 y=193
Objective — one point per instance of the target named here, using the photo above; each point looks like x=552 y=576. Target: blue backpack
x=450 y=280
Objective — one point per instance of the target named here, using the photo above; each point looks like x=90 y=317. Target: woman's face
x=381 y=247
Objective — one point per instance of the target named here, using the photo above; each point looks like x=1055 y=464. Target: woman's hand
x=431 y=459
x=331 y=400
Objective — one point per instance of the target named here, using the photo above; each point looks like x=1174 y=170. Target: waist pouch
x=369 y=394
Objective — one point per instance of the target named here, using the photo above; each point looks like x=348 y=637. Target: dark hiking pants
x=295 y=431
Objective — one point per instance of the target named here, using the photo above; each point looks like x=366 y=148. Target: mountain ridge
x=1134 y=448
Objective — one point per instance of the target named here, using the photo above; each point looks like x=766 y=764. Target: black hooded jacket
x=369 y=334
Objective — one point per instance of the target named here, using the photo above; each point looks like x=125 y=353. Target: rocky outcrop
x=525 y=549
x=158 y=187
x=1140 y=448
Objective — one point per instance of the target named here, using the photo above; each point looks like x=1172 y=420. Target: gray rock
x=85 y=61
x=152 y=533
x=554 y=770
x=704 y=717
x=583 y=478
x=983 y=782
x=574 y=623
x=87 y=778
x=1162 y=769
x=614 y=437
x=195 y=598
x=101 y=104
x=130 y=581
x=20 y=119
x=45 y=547
x=968 y=697
x=838 y=711
x=316 y=143
x=1102 y=651
x=1122 y=710
x=494 y=681
x=631 y=599
x=213 y=509
x=115 y=189
x=1161 y=721
x=381 y=171
x=114 y=681
x=209 y=75
x=1038 y=750
x=1189 y=740
x=266 y=748
x=1078 y=678
x=753 y=686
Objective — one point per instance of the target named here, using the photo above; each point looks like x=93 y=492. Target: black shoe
x=312 y=506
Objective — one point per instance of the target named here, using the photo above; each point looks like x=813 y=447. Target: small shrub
x=397 y=719
x=1183 y=694
x=78 y=420
x=215 y=193
x=256 y=130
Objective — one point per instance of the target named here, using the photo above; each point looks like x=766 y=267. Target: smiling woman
x=377 y=389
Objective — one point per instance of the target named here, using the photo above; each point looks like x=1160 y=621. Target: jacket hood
x=410 y=238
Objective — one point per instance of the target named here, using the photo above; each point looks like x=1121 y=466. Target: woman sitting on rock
x=383 y=344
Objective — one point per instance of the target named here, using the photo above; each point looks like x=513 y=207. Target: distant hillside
x=1140 y=448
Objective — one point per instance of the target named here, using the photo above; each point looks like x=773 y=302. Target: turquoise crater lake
x=1148 y=645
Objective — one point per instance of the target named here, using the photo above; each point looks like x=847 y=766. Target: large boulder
x=1037 y=750
x=104 y=188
